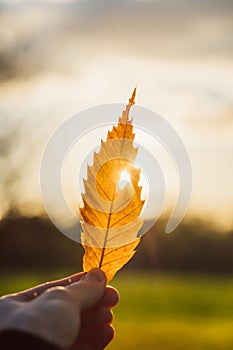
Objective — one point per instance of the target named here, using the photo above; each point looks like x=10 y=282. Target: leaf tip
x=132 y=98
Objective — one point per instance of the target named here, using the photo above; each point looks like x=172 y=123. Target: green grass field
x=163 y=312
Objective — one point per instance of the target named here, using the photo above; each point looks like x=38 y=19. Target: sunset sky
x=59 y=57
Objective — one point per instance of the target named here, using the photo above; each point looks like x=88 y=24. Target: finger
x=97 y=339
x=96 y=316
x=32 y=293
x=88 y=291
x=110 y=298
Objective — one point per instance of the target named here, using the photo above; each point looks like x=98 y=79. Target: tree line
x=195 y=246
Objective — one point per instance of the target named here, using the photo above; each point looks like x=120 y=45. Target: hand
x=73 y=313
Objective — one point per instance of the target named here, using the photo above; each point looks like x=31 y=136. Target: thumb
x=89 y=289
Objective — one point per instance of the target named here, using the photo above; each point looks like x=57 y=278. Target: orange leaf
x=110 y=215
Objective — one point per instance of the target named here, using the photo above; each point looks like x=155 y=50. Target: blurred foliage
x=195 y=246
x=34 y=243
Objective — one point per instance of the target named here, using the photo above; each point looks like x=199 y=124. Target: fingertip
x=111 y=297
x=98 y=338
x=102 y=336
x=108 y=332
x=95 y=274
x=89 y=290
x=98 y=316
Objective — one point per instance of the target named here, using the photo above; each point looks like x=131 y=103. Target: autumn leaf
x=110 y=214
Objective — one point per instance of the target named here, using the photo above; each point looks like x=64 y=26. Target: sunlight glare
x=124 y=179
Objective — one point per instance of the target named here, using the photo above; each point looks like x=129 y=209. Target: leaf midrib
x=110 y=213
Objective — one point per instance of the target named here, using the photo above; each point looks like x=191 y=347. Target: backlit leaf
x=110 y=214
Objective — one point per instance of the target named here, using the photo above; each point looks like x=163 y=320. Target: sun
x=124 y=179
x=125 y=176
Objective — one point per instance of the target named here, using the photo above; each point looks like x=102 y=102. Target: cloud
x=46 y=36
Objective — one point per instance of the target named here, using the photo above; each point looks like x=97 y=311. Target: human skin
x=73 y=313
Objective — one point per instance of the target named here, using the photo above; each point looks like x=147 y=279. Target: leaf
x=110 y=214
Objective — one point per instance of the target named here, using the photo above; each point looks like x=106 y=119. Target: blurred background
x=58 y=57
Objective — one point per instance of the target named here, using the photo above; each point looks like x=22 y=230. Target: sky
x=60 y=57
